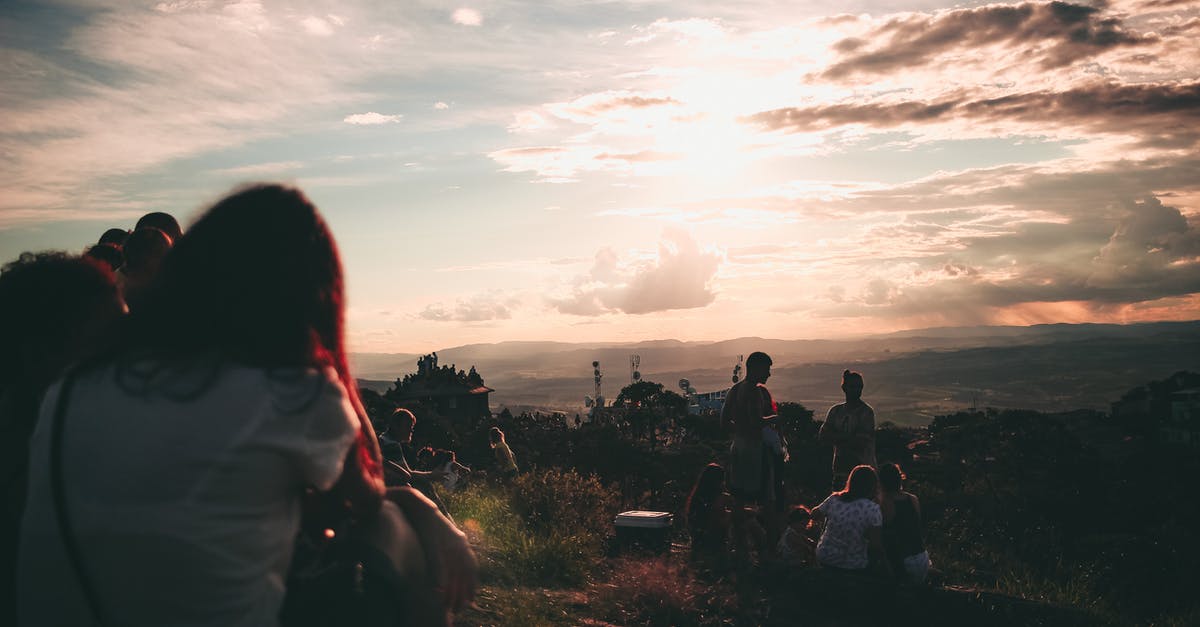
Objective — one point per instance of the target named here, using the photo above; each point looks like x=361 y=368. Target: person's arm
x=727 y=411
x=449 y=554
x=829 y=434
x=361 y=484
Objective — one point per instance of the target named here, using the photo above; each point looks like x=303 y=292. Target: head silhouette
x=709 y=484
x=108 y=254
x=758 y=367
x=852 y=384
x=145 y=250
x=402 y=424
x=257 y=280
x=54 y=309
x=114 y=236
x=891 y=478
x=164 y=222
x=862 y=483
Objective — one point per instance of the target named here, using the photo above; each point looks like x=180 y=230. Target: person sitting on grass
x=795 y=548
x=505 y=462
x=708 y=512
x=902 y=527
x=853 y=521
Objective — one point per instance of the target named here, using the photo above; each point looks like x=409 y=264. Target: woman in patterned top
x=853 y=524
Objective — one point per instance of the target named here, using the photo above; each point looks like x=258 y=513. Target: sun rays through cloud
x=509 y=171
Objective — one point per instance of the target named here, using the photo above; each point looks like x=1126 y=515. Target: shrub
x=553 y=500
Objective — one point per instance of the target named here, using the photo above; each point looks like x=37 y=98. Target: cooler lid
x=638 y=518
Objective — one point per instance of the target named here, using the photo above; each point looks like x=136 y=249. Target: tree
x=650 y=404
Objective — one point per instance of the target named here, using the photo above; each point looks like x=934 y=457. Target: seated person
x=795 y=548
x=902 y=527
x=853 y=522
x=708 y=511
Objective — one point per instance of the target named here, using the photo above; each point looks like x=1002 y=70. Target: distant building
x=460 y=396
x=707 y=402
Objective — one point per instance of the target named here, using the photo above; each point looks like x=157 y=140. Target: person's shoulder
x=293 y=390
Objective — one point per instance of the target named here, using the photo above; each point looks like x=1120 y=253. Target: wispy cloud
x=371 y=118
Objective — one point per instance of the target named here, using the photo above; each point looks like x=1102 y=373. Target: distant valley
x=911 y=376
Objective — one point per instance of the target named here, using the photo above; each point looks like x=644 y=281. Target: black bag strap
x=60 y=499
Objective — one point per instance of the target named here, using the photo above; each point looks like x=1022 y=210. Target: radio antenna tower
x=596 y=372
x=635 y=362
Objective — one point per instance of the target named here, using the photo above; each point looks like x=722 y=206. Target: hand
x=447 y=551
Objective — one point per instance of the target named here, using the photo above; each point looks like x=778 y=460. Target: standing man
x=748 y=408
x=850 y=428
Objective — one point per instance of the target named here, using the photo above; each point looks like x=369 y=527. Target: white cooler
x=646 y=530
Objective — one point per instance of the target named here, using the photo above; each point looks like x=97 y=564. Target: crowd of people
x=869 y=524
x=185 y=444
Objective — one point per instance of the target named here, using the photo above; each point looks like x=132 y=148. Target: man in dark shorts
x=748 y=408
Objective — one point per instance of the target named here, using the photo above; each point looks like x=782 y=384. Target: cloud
x=371 y=117
x=1162 y=115
x=440 y=106
x=493 y=305
x=1053 y=35
x=260 y=169
x=317 y=26
x=467 y=17
x=679 y=278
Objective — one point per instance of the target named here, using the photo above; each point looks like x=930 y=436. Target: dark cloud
x=1164 y=115
x=1053 y=34
x=678 y=279
x=1143 y=252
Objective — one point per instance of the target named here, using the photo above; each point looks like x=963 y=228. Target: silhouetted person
x=187 y=450
x=116 y=237
x=850 y=428
x=708 y=513
x=902 y=532
x=795 y=548
x=505 y=462
x=164 y=222
x=144 y=254
x=108 y=254
x=748 y=408
x=54 y=309
x=397 y=470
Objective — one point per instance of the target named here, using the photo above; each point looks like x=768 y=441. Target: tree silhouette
x=650 y=407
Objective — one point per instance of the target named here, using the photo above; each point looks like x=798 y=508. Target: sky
x=608 y=170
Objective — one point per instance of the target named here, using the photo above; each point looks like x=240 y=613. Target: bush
x=548 y=529
x=553 y=500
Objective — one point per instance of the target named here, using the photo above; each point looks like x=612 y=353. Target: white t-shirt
x=843 y=543
x=184 y=495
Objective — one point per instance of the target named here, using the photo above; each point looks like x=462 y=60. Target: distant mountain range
x=911 y=375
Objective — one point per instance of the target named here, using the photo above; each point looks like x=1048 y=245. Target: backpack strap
x=60 y=499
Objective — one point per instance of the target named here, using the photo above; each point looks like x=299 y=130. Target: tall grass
x=547 y=528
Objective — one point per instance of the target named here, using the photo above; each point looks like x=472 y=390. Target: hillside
x=911 y=375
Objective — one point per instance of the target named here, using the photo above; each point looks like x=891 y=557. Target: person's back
x=902 y=533
x=843 y=544
x=184 y=494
